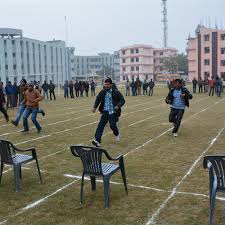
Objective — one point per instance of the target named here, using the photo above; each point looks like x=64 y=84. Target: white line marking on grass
x=163 y=205
x=36 y=203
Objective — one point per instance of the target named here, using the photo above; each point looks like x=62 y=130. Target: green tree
x=171 y=64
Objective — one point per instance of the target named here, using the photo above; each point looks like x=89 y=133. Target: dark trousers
x=9 y=101
x=103 y=121
x=134 y=91
x=86 y=93
x=211 y=91
x=150 y=91
x=52 y=93
x=66 y=93
x=71 y=93
x=4 y=112
x=200 y=89
x=145 y=92
x=218 y=91
x=175 y=117
x=92 y=92
x=194 y=89
x=206 y=87
x=77 y=93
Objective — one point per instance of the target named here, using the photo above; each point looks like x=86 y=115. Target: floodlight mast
x=165 y=24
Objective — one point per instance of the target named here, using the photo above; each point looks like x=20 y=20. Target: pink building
x=206 y=53
x=160 y=56
x=143 y=61
x=136 y=61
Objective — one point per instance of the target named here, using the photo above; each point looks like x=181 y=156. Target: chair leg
x=123 y=173
x=106 y=191
x=93 y=183
x=2 y=166
x=212 y=205
x=82 y=189
x=20 y=172
x=17 y=177
x=39 y=172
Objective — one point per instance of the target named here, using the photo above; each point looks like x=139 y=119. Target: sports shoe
x=42 y=112
x=40 y=131
x=175 y=134
x=118 y=137
x=14 y=123
x=96 y=143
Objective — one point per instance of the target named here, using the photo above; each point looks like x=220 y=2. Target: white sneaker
x=175 y=134
x=96 y=143
x=118 y=137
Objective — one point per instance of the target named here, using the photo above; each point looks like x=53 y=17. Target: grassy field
x=167 y=183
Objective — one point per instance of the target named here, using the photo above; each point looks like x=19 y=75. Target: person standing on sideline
x=127 y=86
x=110 y=102
x=9 y=95
x=66 y=89
x=200 y=84
x=218 y=86
x=177 y=98
x=93 y=86
x=2 y=103
x=86 y=87
x=133 y=88
x=211 y=87
x=206 y=85
x=139 y=84
x=77 y=88
x=145 y=88
x=45 y=88
x=32 y=98
x=151 y=87
x=52 y=90
x=194 y=84
x=71 y=89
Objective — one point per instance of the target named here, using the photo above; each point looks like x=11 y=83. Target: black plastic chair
x=9 y=157
x=92 y=166
x=216 y=167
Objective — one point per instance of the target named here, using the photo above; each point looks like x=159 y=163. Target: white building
x=22 y=57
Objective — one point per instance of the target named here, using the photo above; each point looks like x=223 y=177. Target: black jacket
x=184 y=90
x=117 y=100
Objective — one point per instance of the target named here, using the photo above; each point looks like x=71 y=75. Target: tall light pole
x=165 y=23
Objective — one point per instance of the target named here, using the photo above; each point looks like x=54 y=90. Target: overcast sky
x=106 y=25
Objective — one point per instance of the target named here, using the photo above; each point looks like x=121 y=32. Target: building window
x=137 y=68
x=124 y=69
x=14 y=55
x=222 y=50
x=5 y=54
x=132 y=68
x=206 y=62
x=222 y=62
x=206 y=37
x=137 y=59
x=13 y=42
x=161 y=53
x=132 y=59
x=137 y=50
x=124 y=60
x=132 y=51
x=223 y=37
x=14 y=67
x=124 y=52
x=207 y=50
x=124 y=77
x=6 y=67
x=223 y=75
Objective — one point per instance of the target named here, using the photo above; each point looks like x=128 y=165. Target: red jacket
x=211 y=83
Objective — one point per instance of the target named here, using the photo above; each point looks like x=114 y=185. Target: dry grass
x=160 y=163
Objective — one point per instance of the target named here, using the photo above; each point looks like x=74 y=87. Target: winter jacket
x=117 y=100
x=184 y=90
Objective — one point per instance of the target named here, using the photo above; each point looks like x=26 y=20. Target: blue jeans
x=218 y=91
x=27 y=113
x=113 y=119
x=66 y=93
x=20 y=112
x=46 y=94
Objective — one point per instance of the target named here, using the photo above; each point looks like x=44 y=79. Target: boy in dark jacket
x=109 y=101
x=177 y=98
